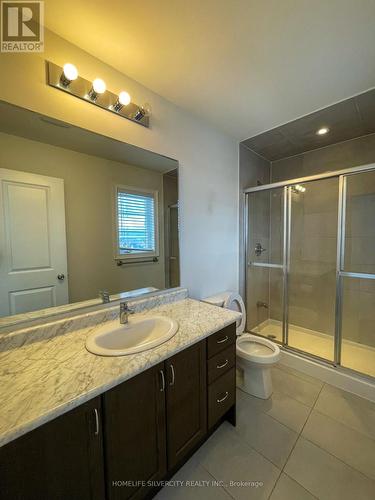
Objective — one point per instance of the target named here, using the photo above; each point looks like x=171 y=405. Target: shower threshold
x=356 y=356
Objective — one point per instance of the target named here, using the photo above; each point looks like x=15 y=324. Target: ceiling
x=346 y=120
x=37 y=127
x=246 y=66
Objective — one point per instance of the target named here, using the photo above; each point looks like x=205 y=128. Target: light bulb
x=322 y=131
x=70 y=71
x=69 y=74
x=99 y=86
x=124 y=98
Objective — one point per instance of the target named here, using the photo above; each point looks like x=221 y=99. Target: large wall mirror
x=80 y=214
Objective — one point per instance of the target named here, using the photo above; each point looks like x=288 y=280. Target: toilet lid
x=235 y=303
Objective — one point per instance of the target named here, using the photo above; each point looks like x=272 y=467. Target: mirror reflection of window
x=137 y=225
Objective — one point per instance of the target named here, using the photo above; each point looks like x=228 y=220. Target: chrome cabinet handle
x=96 y=413
x=223 y=365
x=222 y=340
x=173 y=377
x=162 y=381
x=224 y=398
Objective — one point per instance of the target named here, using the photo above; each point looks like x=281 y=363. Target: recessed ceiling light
x=322 y=131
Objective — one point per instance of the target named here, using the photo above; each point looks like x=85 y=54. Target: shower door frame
x=342 y=176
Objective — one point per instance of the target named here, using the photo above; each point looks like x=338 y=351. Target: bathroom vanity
x=134 y=433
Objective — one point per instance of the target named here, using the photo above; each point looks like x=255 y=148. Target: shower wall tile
x=257 y=291
x=360 y=151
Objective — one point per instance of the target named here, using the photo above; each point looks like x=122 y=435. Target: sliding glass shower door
x=311 y=282
x=357 y=273
x=265 y=258
x=310 y=274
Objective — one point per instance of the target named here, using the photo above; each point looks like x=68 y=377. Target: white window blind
x=136 y=222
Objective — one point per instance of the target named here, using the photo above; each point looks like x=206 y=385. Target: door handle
x=61 y=277
x=96 y=413
x=173 y=376
x=224 y=398
x=162 y=380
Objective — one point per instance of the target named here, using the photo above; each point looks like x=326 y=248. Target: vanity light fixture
x=322 y=131
x=68 y=74
x=298 y=189
x=95 y=92
x=98 y=87
x=122 y=100
x=142 y=111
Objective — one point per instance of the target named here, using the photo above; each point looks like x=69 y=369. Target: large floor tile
x=325 y=476
x=283 y=408
x=351 y=410
x=350 y=446
x=229 y=459
x=192 y=482
x=299 y=374
x=288 y=489
x=268 y=436
x=294 y=386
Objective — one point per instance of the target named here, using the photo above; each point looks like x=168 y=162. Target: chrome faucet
x=104 y=295
x=124 y=312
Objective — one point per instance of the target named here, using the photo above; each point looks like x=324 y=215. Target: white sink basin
x=139 y=334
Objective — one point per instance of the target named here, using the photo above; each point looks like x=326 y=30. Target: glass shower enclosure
x=310 y=273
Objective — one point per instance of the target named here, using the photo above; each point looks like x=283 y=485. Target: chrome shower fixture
x=259 y=249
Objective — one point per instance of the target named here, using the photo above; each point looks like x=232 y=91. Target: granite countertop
x=44 y=375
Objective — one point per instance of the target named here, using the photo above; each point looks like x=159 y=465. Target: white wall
x=208 y=158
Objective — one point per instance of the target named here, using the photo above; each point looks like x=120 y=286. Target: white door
x=33 y=264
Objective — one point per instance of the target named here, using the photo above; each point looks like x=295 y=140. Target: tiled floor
x=309 y=440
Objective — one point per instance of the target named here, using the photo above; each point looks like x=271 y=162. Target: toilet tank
x=218 y=299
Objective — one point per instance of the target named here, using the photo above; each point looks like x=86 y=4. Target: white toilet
x=255 y=355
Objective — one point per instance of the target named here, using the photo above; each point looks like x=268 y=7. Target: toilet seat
x=234 y=302
x=257 y=349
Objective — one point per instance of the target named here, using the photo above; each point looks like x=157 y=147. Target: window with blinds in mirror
x=136 y=220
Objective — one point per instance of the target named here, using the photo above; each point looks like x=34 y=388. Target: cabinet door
x=186 y=402
x=59 y=460
x=134 y=434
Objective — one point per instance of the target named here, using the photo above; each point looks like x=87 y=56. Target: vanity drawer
x=221 y=339
x=221 y=396
x=221 y=363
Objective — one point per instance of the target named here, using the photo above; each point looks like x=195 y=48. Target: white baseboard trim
x=343 y=380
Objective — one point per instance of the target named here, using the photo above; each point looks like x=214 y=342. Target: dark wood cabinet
x=59 y=460
x=221 y=369
x=119 y=445
x=134 y=430
x=153 y=421
x=186 y=392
